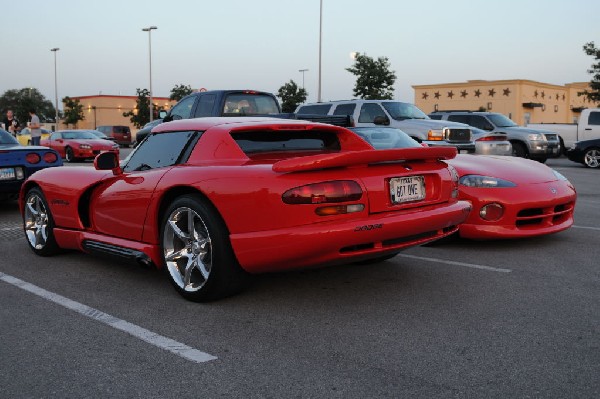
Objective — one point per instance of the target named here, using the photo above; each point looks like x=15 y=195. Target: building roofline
x=115 y=96
x=498 y=82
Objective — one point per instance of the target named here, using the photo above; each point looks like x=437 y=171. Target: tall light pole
x=149 y=30
x=54 y=50
x=302 y=71
x=320 y=40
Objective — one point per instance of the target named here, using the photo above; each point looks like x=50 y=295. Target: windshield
x=385 y=137
x=72 y=135
x=7 y=138
x=501 y=121
x=401 y=111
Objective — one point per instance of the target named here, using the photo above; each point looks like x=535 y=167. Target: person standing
x=11 y=124
x=35 y=128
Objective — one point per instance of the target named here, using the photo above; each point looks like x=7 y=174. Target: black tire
x=199 y=259
x=519 y=150
x=591 y=158
x=38 y=224
x=69 y=156
x=563 y=149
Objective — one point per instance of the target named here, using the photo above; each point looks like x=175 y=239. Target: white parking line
x=453 y=263
x=587 y=228
x=148 y=336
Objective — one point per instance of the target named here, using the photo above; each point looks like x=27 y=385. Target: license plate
x=7 y=174
x=463 y=152
x=405 y=189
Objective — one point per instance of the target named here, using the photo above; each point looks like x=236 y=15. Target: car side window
x=344 y=109
x=56 y=136
x=480 y=122
x=183 y=109
x=369 y=111
x=205 y=106
x=315 y=109
x=160 y=150
x=594 y=118
x=460 y=119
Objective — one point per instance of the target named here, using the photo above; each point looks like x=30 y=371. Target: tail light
x=324 y=193
x=492 y=138
x=33 y=158
x=50 y=157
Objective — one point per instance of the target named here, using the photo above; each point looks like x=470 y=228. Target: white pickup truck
x=587 y=129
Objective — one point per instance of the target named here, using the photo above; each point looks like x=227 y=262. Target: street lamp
x=302 y=71
x=149 y=30
x=320 y=40
x=54 y=50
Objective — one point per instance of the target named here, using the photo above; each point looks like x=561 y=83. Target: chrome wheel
x=187 y=249
x=37 y=223
x=591 y=158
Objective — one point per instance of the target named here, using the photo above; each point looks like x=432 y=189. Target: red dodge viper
x=212 y=199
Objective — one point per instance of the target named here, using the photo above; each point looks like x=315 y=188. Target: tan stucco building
x=108 y=110
x=524 y=101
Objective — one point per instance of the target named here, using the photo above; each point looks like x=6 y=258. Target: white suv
x=403 y=116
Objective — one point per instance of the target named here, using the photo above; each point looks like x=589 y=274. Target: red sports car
x=74 y=145
x=512 y=197
x=214 y=198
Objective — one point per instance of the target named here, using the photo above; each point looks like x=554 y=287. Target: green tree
x=180 y=91
x=140 y=115
x=21 y=101
x=593 y=95
x=291 y=96
x=73 y=111
x=374 y=79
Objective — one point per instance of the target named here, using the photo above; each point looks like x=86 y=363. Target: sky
x=263 y=44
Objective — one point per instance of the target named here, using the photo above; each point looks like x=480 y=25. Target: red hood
x=517 y=170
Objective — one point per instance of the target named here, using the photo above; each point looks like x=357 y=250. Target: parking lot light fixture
x=149 y=30
x=54 y=50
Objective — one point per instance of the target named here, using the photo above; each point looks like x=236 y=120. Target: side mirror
x=162 y=114
x=108 y=161
x=381 y=120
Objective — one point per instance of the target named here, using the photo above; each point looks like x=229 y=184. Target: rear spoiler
x=365 y=157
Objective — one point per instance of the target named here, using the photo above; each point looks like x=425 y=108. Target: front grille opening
x=530 y=212
x=529 y=222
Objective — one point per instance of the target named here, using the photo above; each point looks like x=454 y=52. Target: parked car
x=24 y=136
x=217 y=103
x=512 y=197
x=122 y=134
x=588 y=128
x=404 y=116
x=76 y=145
x=526 y=142
x=101 y=135
x=586 y=152
x=18 y=162
x=212 y=199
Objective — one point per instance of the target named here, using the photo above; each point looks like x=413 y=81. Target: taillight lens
x=323 y=193
x=492 y=138
x=50 y=157
x=33 y=158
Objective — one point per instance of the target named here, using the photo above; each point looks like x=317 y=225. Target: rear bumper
x=343 y=242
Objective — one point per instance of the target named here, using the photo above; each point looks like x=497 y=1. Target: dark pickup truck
x=233 y=103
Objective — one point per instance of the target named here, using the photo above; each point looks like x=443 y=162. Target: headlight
x=85 y=147
x=484 y=182
x=559 y=176
x=435 y=135
x=536 y=137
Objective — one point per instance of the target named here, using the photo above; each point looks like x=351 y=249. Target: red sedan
x=215 y=198
x=75 y=145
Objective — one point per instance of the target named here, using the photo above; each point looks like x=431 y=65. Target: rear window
x=121 y=129
x=316 y=109
x=244 y=104
x=286 y=141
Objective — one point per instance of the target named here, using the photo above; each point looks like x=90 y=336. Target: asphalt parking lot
x=466 y=319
